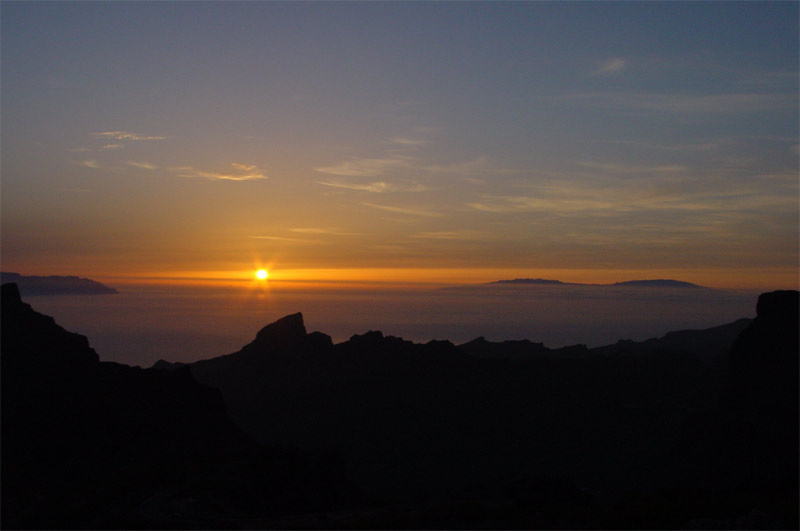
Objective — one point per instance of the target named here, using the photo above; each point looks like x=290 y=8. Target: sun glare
x=262 y=274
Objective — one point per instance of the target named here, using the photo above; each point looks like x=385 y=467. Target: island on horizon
x=55 y=285
x=653 y=283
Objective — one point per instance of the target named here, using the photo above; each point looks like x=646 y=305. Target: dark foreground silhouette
x=698 y=429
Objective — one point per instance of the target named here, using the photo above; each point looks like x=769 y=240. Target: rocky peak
x=783 y=305
x=285 y=333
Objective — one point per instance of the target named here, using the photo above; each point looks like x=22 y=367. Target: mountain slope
x=430 y=418
x=708 y=345
x=438 y=423
x=486 y=435
x=89 y=444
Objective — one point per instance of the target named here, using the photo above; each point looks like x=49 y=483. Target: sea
x=147 y=322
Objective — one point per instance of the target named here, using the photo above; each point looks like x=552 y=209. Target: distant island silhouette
x=655 y=283
x=697 y=429
x=55 y=285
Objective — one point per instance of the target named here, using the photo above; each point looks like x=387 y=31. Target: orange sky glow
x=402 y=143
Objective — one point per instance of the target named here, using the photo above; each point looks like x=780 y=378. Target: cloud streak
x=404 y=211
x=125 y=135
x=735 y=103
x=611 y=66
x=373 y=187
x=322 y=231
x=143 y=165
x=363 y=167
x=243 y=172
x=377 y=187
x=457 y=235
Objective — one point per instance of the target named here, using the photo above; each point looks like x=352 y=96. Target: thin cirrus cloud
x=242 y=172
x=458 y=235
x=632 y=169
x=735 y=103
x=580 y=199
x=281 y=239
x=405 y=211
x=89 y=163
x=611 y=66
x=407 y=141
x=125 y=135
x=557 y=205
x=143 y=165
x=363 y=167
x=374 y=187
x=322 y=231
x=112 y=146
x=290 y=240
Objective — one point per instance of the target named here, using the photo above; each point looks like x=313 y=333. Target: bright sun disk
x=262 y=274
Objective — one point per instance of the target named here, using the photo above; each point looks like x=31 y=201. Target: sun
x=262 y=274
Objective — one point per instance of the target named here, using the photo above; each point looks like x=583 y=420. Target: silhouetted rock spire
x=782 y=305
x=763 y=389
x=286 y=333
x=10 y=294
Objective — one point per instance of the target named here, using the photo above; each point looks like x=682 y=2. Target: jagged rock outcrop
x=739 y=457
x=85 y=442
x=763 y=392
x=508 y=434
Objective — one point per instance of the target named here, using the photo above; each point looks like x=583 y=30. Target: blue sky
x=528 y=136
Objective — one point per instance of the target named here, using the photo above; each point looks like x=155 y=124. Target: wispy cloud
x=737 y=103
x=677 y=197
x=632 y=169
x=458 y=235
x=143 y=165
x=89 y=163
x=558 y=205
x=363 y=167
x=406 y=211
x=611 y=66
x=124 y=135
x=243 y=172
x=700 y=145
x=374 y=187
x=322 y=231
x=407 y=141
x=112 y=146
x=281 y=239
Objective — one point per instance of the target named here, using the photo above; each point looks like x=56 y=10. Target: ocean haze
x=145 y=323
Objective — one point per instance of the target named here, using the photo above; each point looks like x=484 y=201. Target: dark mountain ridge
x=55 y=285
x=100 y=445
x=482 y=435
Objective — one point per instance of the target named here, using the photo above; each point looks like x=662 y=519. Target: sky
x=402 y=141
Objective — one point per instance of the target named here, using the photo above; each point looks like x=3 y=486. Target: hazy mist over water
x=145 y=323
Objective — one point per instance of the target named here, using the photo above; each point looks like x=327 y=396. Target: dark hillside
x=88 y=444
x=379 y=432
